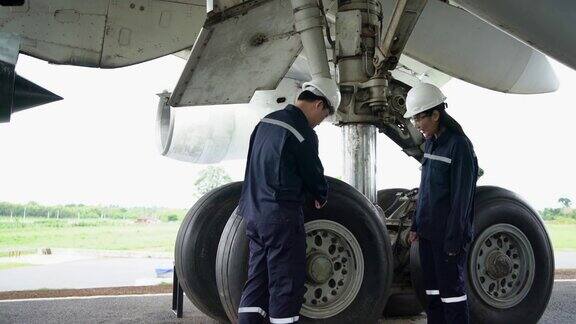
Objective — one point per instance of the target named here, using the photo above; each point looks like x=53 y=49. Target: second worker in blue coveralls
x=444 y=213
x=282 y=167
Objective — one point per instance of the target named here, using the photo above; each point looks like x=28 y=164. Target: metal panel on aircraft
x=235 y=57
x=412 y=72
x=59 y=31
x=104 y=33
x=141 y=30
x=457 y=43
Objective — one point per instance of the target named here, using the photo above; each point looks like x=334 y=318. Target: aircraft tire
x=416 y=275
x=405 y=303
x=197 y=244
x=348 y=225
x=510 y=272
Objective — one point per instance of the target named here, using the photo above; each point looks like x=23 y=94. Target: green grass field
x=10 y=265
x=88 y=234
x=563 y=236
x=96 y=234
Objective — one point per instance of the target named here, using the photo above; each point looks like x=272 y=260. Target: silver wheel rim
x=334 y=269
x=502 y=266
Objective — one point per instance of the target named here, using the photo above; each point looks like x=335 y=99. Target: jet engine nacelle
x=210 y=134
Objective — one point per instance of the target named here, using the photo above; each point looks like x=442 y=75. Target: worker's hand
x=412 y=237
x=318 y=205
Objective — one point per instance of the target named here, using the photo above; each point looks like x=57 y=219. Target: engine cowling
x=210 y=134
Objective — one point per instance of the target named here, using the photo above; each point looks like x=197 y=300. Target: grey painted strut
x=309 y=21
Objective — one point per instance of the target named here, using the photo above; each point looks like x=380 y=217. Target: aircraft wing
x=103 y=33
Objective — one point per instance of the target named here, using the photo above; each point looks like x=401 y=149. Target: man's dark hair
x=311 y=97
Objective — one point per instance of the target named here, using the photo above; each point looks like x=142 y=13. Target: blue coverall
x=443 y=222
x=282 y=166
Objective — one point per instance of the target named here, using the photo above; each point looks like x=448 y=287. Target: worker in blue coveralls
x=282 y=167
x=444 y=211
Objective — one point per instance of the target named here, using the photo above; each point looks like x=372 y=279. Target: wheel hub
x=502 y=266
x=334 y=269
x=498 y=265
x=319 y=268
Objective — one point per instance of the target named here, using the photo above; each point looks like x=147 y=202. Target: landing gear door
x=240 y=50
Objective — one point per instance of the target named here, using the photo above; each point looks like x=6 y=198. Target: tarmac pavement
x=114 y=309
x=81 y=270
x=157 y=309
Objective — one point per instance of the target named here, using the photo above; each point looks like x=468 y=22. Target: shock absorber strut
x=364 y=58
x=357 y=33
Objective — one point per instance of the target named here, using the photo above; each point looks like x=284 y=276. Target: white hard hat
x=324 y=87
x=421 y=98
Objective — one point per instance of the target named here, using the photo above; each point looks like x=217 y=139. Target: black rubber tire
x=232 y=265
x=495 y=205
x=405 y=303
x=416 y=274
x=347 y=207
x=197 y=244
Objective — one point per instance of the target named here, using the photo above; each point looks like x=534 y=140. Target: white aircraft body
x=257 y=53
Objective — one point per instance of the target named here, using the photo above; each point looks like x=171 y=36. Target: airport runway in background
x=61 y=272
x=85 y=273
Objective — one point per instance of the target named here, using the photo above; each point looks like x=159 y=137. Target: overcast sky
x=98 y=145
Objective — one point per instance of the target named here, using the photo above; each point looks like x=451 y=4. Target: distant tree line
x=209 y=178
x=33 y=209
x=558 y=213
